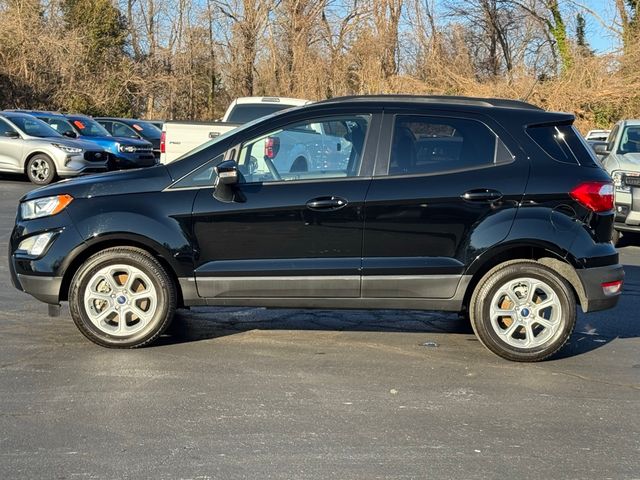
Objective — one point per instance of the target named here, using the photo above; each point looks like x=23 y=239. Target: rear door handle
x=326 y=203
x=481 y=195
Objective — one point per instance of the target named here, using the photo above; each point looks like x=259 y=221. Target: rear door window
x=564 y=144
x=430 y=145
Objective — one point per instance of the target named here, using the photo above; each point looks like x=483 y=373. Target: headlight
x=127 y=148
x=35 y=244
x=618 y=182
x=43 y=207
x=67 y=149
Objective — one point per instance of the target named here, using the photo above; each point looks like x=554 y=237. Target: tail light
x=163 y=144
x=596 y=196
x=271 y=147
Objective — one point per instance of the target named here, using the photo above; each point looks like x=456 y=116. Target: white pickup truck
x=179 y=138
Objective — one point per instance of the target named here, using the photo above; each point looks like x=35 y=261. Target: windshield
x=89 y=127
x=33 y=126
x=630 y=141
x=244 y=113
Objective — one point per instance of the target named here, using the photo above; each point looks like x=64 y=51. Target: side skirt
x=453 y=304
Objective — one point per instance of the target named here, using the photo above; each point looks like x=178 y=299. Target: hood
x=629 y=161
x=109 y=143
x=140 y=180
x=70 y=142
x=132 y=141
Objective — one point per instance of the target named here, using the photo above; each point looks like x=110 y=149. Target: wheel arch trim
x=122 y=239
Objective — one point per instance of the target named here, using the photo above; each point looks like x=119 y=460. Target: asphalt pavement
x=250 y=393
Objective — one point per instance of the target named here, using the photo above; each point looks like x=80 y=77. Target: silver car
x=28 y=145
x=622 y=161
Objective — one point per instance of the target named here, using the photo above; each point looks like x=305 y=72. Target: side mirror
x=12 y=134
x=601 y=149
x=70 y=134
x=227 y=172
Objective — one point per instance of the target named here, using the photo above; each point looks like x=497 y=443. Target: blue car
x=123 y=152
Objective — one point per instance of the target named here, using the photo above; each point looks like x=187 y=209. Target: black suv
x=494 y=208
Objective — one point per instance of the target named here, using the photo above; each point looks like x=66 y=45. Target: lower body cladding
x=433 y=292
x=597 y=288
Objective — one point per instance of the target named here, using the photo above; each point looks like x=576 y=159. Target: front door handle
x=326 y=203
x=481 y=195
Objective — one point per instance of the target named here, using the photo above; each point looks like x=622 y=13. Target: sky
x=600 y=39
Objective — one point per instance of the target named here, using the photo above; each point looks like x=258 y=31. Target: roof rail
x=458 y=100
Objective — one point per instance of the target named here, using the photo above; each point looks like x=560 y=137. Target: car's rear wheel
x=299 y=165
x=122 y=298
x=41 y=170
x=615 y=237
x=523 y=311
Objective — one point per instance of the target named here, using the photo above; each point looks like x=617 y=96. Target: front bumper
x=42 y=276
x=73 y=165
x=627 y=208
x=45 y=289
x=592 y=279
x=123 y=161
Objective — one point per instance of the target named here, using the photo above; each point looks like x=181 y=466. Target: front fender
x=159 y=221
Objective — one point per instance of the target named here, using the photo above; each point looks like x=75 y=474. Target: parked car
x=157 y=123
x=123 y=152
x=30 y=146
x=132 y=128
x=492 y=207
x=597 y=135
x=621 y=158
x=178 y=138
x=596 y=146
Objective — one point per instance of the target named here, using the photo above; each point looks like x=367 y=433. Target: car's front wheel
x=122 y=298
x=41 y=170
x=523 y=311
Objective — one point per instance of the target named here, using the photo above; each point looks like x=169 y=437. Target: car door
x=11 y=148
x=446 y=187
x=287 y=233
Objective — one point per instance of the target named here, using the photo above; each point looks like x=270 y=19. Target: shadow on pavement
x=592 y=331
x=210 y=323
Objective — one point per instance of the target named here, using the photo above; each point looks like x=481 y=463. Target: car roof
x=10 y=114
x=122 y=119
x=631 y=122
x=37 y=113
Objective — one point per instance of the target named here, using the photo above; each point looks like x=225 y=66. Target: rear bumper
x=592 y=279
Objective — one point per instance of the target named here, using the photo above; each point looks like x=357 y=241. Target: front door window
x=313 y=149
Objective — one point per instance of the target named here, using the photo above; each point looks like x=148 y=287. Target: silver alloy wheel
x=39 y=169
x=120 y=300
x=526 y=313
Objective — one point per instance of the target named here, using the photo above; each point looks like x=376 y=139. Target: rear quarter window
x=564 y=144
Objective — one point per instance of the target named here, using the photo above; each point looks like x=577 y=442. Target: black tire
x=299 y=165
x=139 y=259
x=488 y=288
x=40 y=169
x=616 y=236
